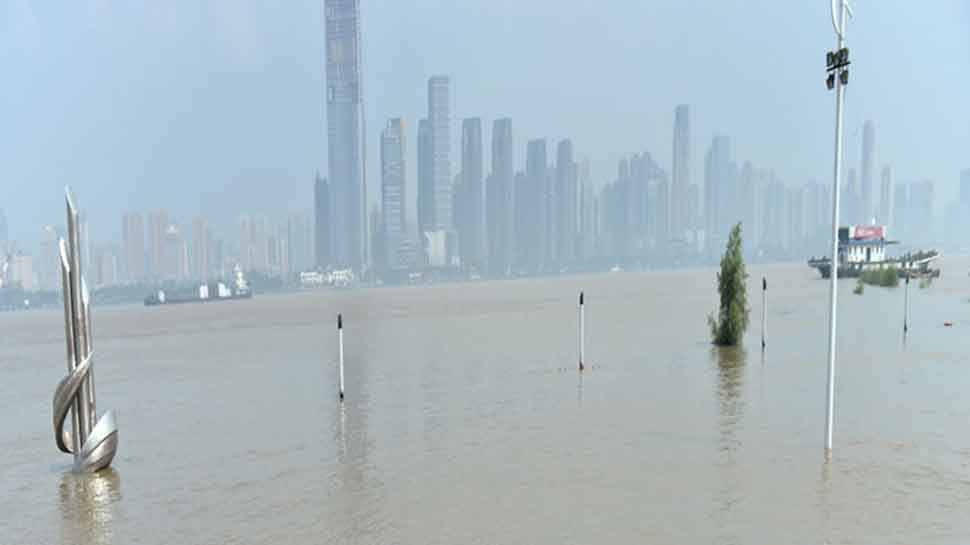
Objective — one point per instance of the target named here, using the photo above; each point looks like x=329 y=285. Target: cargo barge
x=204 y=293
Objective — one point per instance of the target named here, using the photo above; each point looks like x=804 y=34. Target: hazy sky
x=217 y=108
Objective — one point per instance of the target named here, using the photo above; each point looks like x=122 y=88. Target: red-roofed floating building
x=863 y=248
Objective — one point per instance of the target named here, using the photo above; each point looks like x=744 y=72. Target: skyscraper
x=748 y=204
x=867 y=208
x=586 y=210
x=439 y=118
x=694 y=207
x=425 y=178
x=501 y=201
x=157 y=229
x=901 y=211
x=661 y=211
x=524 y=221
x=681 y=171
x=884 y=216
x=105 y=266
x=393 y=189
x=200 y=249
x=849 y=208
x=133 y=247
x=472 y=221
x=322 y=223
x=345 y=133
x=533 y=236
x=174 y=266
x=716 y=190
x=566 y=202
x=246 y=241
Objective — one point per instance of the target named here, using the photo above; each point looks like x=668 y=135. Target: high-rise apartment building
x=748 y=204
x=425 y=178
x=345 y=133
x=472 y=219
x=157 y=250
x=850 y=207
x=298 y=239
x=133 y=248
x=566 y=188
x=393 y=190
x=716 y=190
x=201 y=249
x=439 y=119
x=532 y=232
x=501 y=199
x=884 y=214
x=322 y=228
x=680 y=175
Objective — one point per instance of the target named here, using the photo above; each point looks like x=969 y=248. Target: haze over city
x=217 y=112
x=219 y=108
x=490 y=271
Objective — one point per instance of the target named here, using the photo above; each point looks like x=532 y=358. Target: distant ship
x=204 y=293
x=863 y=248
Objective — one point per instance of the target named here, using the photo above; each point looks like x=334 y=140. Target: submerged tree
x=732 y=317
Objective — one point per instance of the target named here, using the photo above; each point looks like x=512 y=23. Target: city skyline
x=255 y=139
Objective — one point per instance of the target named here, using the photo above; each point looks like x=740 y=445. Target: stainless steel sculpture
x=92 y=444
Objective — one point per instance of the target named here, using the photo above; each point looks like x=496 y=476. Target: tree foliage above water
x=887 y=277
x=729 y=326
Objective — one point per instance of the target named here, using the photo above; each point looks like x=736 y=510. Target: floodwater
x=466 y=420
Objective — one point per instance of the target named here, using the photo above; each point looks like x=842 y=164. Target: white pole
x=340 y=340
x=582 y=332
x=764 y=311
x=834 y=264
x=906 y=306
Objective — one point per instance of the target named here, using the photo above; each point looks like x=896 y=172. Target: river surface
x=466 y=420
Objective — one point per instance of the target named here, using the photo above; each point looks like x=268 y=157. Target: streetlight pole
x=837 y=63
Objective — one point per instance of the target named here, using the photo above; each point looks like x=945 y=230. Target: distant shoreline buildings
x=487 y=215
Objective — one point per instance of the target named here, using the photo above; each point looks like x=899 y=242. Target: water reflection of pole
x=836 y=62
x=340 y=342
x=579 y=391
x=906 y=306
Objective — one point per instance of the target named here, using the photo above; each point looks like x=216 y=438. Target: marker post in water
x=906 y=306
x=340 y=343
x=582 y=332
x=764 y=311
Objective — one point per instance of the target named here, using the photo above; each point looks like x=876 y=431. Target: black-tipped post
x=340 y=343
x=582 y=332
x=764 y=312
x=906 y=306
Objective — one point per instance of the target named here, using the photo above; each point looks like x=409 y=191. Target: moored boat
x=204 y=293
x=863 y=248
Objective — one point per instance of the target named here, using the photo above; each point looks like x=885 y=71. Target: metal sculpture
x=92 y=442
